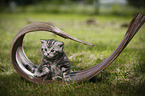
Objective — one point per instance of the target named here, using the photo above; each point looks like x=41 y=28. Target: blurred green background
x=100 y=22
x=117 y=7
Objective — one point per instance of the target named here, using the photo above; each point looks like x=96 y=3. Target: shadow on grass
x=8 y=82
x=131 y=89
x=4 y=91
x=13 y=84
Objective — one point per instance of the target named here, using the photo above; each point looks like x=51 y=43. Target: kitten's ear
x=61 y=44
x=43 y=41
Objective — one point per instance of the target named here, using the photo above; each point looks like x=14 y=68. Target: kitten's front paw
x=37 y=75
x=57 y=78
x=44 y=72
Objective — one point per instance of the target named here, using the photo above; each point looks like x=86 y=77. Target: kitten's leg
x=57 y=73
x=66 y=76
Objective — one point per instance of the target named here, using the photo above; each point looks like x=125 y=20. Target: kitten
x=55 y=64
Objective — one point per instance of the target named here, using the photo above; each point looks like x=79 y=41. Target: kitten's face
x=51 y=48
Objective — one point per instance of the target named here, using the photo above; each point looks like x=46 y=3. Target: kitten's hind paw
x=67 y=78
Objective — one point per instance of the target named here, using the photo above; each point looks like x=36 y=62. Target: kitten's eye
x=45 y=49
x=41 y=49
x=52 y=50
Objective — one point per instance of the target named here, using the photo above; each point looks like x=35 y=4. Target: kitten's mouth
x=50 y=57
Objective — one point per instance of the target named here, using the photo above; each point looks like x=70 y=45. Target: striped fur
x=55 y=64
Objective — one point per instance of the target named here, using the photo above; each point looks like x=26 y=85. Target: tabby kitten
x=55 y=64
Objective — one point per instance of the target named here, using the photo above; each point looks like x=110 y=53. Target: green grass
x=125 y=76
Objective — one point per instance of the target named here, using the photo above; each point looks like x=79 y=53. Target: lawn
x=124 y=77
